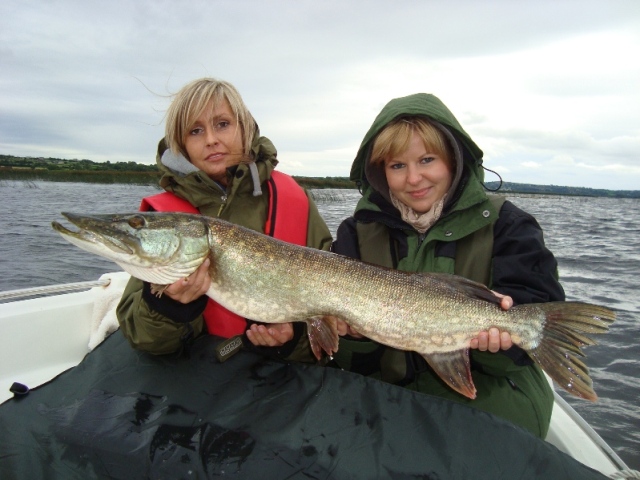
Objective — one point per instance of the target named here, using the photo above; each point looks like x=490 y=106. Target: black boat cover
x=122 y=414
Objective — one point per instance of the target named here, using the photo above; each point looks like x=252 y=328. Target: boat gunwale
x=589 y=431
x=60 y=288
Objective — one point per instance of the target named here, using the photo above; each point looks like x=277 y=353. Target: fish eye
x=136 y=221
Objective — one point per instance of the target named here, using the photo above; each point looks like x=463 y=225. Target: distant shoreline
x=87 y=171
x=139 y=178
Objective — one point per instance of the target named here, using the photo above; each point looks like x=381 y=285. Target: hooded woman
x=424 y=209
x=214 y=162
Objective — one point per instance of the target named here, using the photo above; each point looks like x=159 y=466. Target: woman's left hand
x=494 y=340
x=274 y=335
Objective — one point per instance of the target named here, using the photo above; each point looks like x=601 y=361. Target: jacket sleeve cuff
x=287 y=349
x=518 y=356
x=172 y=309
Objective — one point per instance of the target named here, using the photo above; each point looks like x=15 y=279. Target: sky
x=549 y=90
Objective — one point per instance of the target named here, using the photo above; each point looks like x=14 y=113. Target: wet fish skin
x=270 y=281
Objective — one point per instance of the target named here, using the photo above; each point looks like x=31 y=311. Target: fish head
x=159 y=248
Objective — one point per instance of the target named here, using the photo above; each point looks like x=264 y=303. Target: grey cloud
x=94 y=78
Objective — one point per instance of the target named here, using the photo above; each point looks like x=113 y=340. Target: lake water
x=596 y=242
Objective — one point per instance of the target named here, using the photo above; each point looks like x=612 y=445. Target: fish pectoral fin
x=454 y=369
x=323 y=334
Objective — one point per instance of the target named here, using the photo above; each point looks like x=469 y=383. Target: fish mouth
x=97 y=229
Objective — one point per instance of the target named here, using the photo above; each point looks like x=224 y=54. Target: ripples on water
x=596 y=242
x=31 y=252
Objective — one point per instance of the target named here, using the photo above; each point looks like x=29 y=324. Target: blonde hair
x=394 y=139
x=192 y=99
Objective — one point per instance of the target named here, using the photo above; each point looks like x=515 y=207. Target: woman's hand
x=494 y=340
x=274 y=335
x=345 y=329
x=188 y=289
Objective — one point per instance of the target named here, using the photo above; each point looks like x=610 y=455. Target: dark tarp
x=127 y=415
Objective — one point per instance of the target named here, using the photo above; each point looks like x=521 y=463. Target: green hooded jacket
x=151 y=331
x=516 y=390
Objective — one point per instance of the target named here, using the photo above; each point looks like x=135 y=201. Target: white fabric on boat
x=103 y=319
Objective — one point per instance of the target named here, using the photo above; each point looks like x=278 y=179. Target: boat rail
x=19 y=294
x=593 y=435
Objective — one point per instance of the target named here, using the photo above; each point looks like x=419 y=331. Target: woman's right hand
x=345 y=329
x=188 y=289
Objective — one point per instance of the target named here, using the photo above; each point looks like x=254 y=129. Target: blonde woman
x=215 y=162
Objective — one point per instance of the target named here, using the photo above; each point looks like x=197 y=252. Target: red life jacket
x=287 y=219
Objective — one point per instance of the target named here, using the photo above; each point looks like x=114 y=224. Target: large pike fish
x=271 y=281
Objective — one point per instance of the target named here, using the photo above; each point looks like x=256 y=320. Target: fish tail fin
x=323 y=335
x=563 y=334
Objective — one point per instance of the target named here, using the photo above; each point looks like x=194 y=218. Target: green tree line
x=57 y=164
x=61 y=170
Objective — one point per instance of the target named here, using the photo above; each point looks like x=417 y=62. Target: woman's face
x=417 y=177
x=214 y=141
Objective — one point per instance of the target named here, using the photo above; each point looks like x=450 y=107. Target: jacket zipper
x=223 y=197
x=421 y=238
x=224 y=202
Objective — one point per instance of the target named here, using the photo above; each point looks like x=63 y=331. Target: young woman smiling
x=424 y=209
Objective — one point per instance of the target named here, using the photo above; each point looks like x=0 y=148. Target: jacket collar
x=182 y=178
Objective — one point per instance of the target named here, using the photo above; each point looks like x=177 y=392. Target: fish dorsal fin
x=323 y=334
x=453 y=368
x=469 y=287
